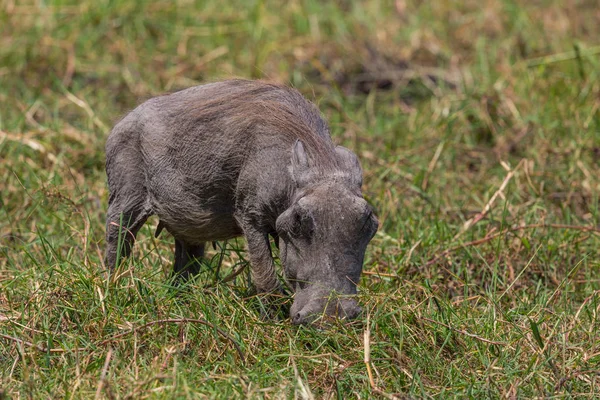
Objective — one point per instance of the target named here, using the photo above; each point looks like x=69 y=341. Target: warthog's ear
x=349 y=165
x=300 y=165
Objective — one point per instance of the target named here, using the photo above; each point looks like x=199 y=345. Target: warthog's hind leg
x=188 y=260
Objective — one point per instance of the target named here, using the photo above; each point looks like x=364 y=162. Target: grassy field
x=478 y=126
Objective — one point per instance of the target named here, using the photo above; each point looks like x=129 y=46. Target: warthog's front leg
x=261 y=261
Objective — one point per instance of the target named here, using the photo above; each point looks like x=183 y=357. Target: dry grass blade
x=367 y=361
x=367 y=351
x=178 y=321
x=102 y=381
x=558 y=57
x=471 y=335
x=33 y=144
x=488 y=238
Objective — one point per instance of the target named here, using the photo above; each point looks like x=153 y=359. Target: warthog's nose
x=343 y=308
x=300 y=318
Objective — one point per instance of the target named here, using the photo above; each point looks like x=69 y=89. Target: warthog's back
x=196 y=143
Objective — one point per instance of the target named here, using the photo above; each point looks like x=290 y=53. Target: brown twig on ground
x=486 y=209
x=37 y=347
x=229 y=277
x=509 y=230
x=176 y=321
x=471 y=335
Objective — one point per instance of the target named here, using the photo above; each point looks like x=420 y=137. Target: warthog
x=244 y=158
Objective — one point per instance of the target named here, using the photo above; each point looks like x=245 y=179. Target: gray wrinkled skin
x=243 y=158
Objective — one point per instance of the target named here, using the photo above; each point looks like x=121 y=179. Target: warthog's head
x=324 y=234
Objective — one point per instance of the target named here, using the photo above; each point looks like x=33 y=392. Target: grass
x=478 y=127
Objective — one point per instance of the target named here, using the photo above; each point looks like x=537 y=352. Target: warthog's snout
x=306 y=308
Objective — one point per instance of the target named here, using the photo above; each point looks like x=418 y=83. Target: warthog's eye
x=303 y=225
x=370 y=224
x=300 y=284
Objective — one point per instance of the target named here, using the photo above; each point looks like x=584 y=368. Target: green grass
x=454 y=109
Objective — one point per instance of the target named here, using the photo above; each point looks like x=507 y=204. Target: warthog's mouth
x=312 y=305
